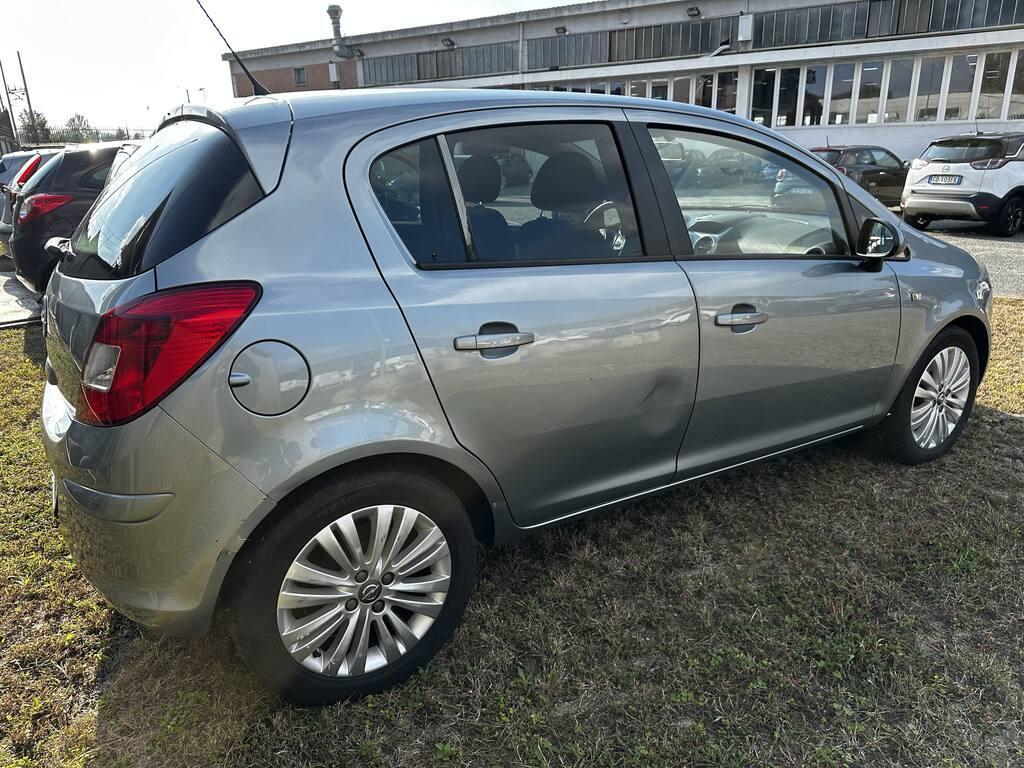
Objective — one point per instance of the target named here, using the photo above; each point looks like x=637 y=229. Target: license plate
x=945 y=179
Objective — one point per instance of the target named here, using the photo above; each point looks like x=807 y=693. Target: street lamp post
x=31 y=114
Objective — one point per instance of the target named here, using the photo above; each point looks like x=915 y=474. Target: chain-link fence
x=80 y=136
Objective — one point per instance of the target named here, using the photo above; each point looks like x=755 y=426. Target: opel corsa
x=305 y=352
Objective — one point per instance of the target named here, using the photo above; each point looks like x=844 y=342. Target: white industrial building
x=892 y=72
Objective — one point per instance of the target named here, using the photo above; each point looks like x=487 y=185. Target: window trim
x=676 y=224
x=305 y=77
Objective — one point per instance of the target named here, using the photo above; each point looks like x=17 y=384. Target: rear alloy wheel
x=936 y=401
x=1010 y=219
x=355 y=587
x=917 y=221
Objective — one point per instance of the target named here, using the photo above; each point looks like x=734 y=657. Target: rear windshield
x=40 y=180
x=962 y=150
x=175 y=189
x=830 y=156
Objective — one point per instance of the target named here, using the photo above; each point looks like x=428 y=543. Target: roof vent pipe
x=341 y=50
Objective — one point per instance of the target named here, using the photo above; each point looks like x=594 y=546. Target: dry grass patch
x=824 y=608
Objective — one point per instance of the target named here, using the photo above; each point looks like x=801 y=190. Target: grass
x=822 y=609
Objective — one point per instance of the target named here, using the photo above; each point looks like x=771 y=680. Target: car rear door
x=797 y=339
x=557 y=329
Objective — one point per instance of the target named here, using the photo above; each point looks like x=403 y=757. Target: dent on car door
x=559 y=333
x=797 y=340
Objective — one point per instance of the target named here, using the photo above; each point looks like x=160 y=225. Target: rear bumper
x=976 y=206
x=150 y=515
x=32 y=265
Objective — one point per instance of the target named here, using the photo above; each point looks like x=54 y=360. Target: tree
x=33 y=133
x=120 y=134
x=78 y=127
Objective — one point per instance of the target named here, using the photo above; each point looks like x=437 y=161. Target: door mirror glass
x=878 y=239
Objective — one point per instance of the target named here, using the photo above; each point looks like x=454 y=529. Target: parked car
x=876 y=169
x=23 y=165
x=280 y=384
x=51 y=204
x=976 y=177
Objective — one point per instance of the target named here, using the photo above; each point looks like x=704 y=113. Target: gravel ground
x=1004 y=257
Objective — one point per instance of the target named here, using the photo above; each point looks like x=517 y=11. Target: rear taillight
x=990 y=165
x=917 y=164
x=145 y=348
x=28 y=169
x=37 y=205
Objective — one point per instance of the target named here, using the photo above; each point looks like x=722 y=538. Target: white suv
x=978 y=177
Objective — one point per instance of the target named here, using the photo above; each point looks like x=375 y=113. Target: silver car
x=300 y=361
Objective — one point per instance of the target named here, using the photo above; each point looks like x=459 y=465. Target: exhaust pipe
x=341 y=50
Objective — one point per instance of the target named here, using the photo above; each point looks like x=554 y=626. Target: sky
x=126 y=62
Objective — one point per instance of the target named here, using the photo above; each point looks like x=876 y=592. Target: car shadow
x=33 y=345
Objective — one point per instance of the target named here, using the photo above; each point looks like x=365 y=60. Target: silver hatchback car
x=308 y=350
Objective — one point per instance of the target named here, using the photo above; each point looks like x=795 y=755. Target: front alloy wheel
x=933 y=407
x=364 y=590
x=940 y=397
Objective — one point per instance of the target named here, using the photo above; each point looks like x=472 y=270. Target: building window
x=789 y=90
x=842 y=94
x=681 y=90
x=1017 y=91
x=659 y=90
x=763 y=98
x=638 y=88
x=961 y=84
x=870 y=93
x=726 y=100
x=599 y=87
x=578 y=87
x=929 y=86
x=993 y=85
x=616 y=88
x=705 y=91
x=814 y=95
x=901 y=73
x=300 y=75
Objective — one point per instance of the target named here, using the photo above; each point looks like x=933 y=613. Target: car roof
x=996 y=135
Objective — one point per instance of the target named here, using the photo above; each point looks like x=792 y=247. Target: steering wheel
x=618 y=240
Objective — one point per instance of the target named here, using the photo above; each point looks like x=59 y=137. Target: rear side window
x=412 y=188
x=830 y=156
x=186 y=181
x=962 y=150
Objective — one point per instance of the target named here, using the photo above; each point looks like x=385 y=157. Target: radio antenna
x=257 y=88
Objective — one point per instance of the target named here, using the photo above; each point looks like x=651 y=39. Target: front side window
x=545 y=192
x=739 y=199
x=884 y=160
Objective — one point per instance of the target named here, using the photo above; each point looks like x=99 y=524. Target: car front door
x=891 y=176
x=560 y=334
x=797 y=339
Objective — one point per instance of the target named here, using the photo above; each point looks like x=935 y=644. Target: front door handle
x=483 y=341
x=741 y=318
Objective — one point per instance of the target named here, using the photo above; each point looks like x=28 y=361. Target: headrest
x=566 y=182
x=480 y=179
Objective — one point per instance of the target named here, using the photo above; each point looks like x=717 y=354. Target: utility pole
x=31 y=114
x=10 y=106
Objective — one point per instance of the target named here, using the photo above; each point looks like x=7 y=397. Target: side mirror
x=906 y=165
x=57 y=247
x=878 y=241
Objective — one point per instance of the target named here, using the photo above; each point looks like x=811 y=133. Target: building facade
x=845 y=72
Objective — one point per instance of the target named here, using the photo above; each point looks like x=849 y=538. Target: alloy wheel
x=940 y=397
x=364 y=590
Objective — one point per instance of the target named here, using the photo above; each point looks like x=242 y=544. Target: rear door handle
x=493 y=341
x=741 y=318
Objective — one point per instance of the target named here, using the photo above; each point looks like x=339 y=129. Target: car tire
x=280 y=593
x=917 y=221
x=903 y=435
x=1010 y=219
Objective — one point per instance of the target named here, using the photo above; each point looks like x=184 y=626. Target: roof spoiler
x=261 y=126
